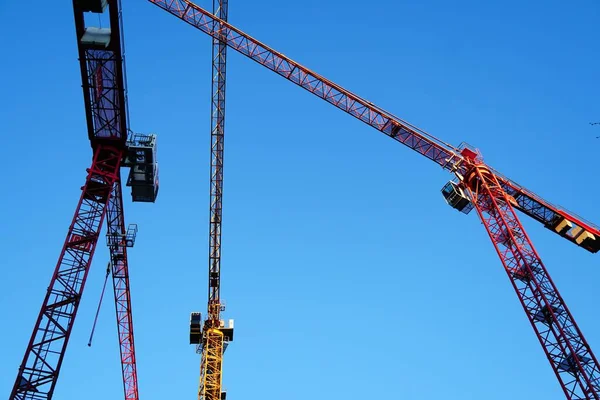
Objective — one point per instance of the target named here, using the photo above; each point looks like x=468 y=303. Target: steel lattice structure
x=117 y=244
x=212 y=364
x=493 y=195
x=44 y=355
x=569 y=354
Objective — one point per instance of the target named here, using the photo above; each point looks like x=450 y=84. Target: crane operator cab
x=143 y=172
x=456 y=197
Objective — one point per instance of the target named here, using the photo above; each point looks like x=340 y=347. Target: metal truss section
x=569 y=354
x=211 y=372
x=118 y=241
x=212 y=364
x=41 y=364
x=361 y=109
x=216 y=167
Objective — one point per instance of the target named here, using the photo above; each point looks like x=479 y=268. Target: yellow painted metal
x=211 y=366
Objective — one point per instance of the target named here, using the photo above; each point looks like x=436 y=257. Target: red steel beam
x=569 y=354
x=41 y=364
x=120 y=274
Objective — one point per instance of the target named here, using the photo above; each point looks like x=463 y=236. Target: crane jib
x=361 y=109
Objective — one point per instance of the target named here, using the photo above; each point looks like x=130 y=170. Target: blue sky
x=346 y=273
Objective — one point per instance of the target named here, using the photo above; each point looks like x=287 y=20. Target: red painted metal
x=365 y=111
x=444 y=154
x=567 y=350
x=41 y=364
x=120 y=274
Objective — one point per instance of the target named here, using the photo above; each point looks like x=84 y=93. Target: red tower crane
x=477 y=185
x=105 y=98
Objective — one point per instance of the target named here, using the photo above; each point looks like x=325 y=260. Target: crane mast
x=478 y=186
x=217 y=131
x=215 y=335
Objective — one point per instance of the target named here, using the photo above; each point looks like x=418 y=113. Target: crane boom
x=43 y=358
x=217 y=132
x=429 y=146
x=557 y=219
x=211 y=368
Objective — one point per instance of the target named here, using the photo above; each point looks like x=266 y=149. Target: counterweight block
x=196 y=328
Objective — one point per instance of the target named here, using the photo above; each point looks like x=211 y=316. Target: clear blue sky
x=346 y=273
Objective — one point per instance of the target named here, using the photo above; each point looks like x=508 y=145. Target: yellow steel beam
x=211 y=367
